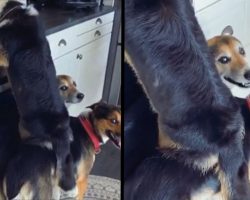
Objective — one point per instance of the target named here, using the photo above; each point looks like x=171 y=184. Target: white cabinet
x=202 y=4
x=71 y=38
x=92 y=70
x=219 y=14
x=68 y=64
x=215 y=15
x=83 y=55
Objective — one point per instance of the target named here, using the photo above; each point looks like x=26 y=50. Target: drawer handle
x=98 y=21
x=79 y=56
x=98 y=34
x=62 y=42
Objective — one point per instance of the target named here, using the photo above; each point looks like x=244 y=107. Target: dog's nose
x=80 y=96
x=247 y=75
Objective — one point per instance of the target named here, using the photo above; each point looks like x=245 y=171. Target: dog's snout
x=80 y=96
x=247 y=75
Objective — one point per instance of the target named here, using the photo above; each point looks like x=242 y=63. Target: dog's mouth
x=242 y=85
x=73 y=101
x=115 y=139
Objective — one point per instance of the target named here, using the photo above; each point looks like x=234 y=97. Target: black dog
x=43 y=115
x=195 y=110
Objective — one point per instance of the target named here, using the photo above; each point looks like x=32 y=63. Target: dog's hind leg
x=82 y=187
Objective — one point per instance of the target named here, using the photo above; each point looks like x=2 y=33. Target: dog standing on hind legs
x=43 y=114
x=195 y=109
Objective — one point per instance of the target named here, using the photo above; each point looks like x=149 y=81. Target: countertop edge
x=49 y=31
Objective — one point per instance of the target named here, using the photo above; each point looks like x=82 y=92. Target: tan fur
x=25 y=193
x=82 y=188
x=4 y=62
x=84 y=167
x=24 y=133
x=238 y=61
x=70 y=94
x=225 y=187
x=165 y=142
x=67 y=81
x=106 y=124
x=128 y=59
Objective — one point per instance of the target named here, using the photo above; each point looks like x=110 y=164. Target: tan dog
x=230 y=59
x=68 y=89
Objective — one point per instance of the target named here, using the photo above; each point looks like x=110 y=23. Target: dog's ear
x=95 y=105
x=228 y=30
x=92 y=107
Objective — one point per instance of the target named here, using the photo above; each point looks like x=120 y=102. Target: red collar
x=248 y=101
x=90 y=131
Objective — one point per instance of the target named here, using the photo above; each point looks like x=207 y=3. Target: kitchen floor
x=108 y=162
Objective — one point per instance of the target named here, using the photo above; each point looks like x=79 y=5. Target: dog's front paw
x=67 y=179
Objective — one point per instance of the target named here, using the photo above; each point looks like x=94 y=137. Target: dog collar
x=248 y=102
x=90 y=131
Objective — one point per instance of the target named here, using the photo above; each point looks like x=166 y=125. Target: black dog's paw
x=67 y=179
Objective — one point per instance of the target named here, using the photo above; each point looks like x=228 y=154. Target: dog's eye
x=242 y=51
x=74 y=83
x=224 y=60
x=63 y=88
x=114 y=121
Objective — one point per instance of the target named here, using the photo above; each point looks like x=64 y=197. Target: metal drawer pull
x=98 y=21
x=98 y=34
x=79 y=56
x=62 y=42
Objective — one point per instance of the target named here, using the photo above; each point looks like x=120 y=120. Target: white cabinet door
x=68 y=64
x=248 y=22
x=216 y=17
x=87 y=66
x=202 y=4
x=92 y=69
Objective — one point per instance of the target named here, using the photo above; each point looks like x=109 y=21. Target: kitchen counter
x=56 y=19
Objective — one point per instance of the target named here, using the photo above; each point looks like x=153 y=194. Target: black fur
x=194 y=107
x=34 y=84
x=169 y=183
x=29 y=165
x=140 y=124
x=9 y=135
x=246 y=116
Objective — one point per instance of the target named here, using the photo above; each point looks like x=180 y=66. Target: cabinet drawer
x=93 y=35
x=201 y=4
x=214 y=19
x=67 y=40
x=94 y=23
